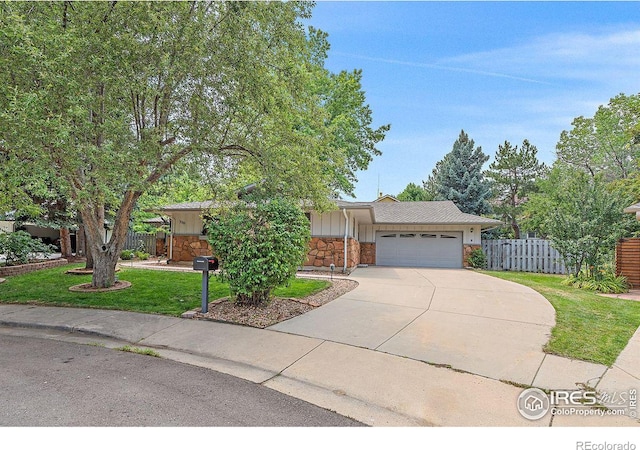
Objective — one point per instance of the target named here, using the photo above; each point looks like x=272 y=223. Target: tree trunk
x=255 y=299
x=80 y=241
x=65 y=243
x=516 y=228
x=104 y=269
x=88 y=253
x=105 y=254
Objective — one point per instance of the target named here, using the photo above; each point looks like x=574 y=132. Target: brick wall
x=26 y=268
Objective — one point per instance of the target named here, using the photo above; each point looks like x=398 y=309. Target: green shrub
x=142 y=255
x=126 y=254
x=18 y=247
x=260 y=245
x=477 y=259
x=603 y=280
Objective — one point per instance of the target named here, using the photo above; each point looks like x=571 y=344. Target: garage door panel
x=419 y=249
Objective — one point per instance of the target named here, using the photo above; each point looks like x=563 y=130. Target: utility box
x=205 y=263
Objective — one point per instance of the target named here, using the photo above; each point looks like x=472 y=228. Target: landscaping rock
x=277 y=310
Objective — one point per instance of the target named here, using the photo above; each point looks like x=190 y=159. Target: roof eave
x=488 y=224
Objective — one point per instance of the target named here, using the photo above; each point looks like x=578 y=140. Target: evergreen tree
x=514 y=173
x=459 y=177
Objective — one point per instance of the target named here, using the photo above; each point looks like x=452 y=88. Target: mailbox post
x=205 y=264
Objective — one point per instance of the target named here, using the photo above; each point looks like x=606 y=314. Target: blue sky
x=499 y=70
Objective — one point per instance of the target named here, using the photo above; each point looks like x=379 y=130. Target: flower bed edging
x=8 y=271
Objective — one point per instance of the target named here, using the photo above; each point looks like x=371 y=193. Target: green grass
x=152 y=291
x=588 y=326
x=139 y=351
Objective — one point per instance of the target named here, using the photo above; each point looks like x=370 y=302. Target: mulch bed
x=86 y=287
x=277 y=310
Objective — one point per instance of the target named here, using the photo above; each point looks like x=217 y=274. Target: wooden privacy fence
x=523 y=255
x=134 y=239
x=628 y=260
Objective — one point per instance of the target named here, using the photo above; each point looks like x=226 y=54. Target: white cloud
x=607 y=57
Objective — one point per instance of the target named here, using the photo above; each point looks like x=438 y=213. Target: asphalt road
x=52 y=383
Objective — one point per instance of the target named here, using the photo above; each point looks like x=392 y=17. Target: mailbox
x=205 y=263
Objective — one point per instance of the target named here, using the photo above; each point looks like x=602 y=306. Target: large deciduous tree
x=459 y=177
x=106 y=97
x=582 y=215
x=606 y=144
x=414 y=193
x=514 y=174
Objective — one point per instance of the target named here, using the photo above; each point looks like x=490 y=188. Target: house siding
x=188 y=223
x=331 y=224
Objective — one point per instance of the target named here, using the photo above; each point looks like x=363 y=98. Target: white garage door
x=419 y=249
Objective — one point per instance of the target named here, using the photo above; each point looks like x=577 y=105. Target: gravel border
x=277 y=310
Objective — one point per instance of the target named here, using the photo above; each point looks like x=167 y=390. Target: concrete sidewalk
x=370 y=386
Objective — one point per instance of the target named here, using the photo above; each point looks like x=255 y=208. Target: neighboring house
x=385 y=233
x=7 y=226
x=187 y=237
x=635 y=209
x=386 y=198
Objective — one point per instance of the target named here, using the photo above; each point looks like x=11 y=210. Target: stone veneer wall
x=185 y=248
x=323 y=251
x=8 y=271
x=468 y=248
x=368 y=253
x=161 y=248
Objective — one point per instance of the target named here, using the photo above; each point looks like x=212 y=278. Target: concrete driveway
x=458 y=318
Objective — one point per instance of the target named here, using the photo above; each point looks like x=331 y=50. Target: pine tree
x=459 y=177
x=514 y=173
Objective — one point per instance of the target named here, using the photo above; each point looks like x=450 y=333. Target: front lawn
x=588 y=326
x=152 y=291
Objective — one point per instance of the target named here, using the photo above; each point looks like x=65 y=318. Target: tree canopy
x=414 y=193
x=607 y=143
x=105 y=98
x=582 y=215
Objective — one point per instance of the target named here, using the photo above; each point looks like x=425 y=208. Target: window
x=407 y=235
x=428 y=236
x=447 y=236
x=388 y=235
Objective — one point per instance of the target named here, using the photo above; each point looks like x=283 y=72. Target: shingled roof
x=410 y=213
x=188 y=206
x=435 y=212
